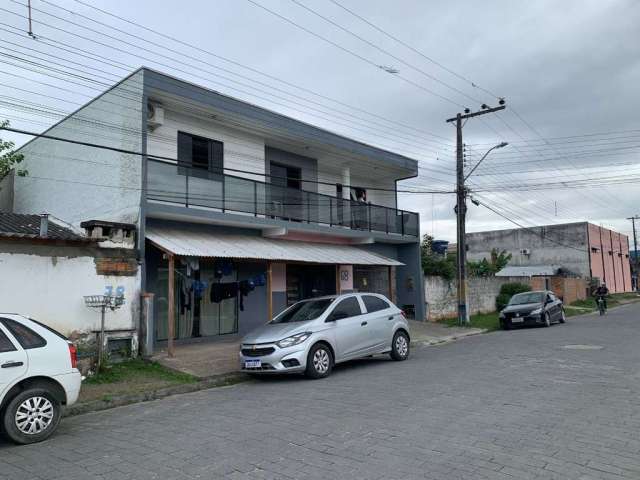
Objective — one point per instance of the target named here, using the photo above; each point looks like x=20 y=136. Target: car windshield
x=522 y=298
x=303 y=311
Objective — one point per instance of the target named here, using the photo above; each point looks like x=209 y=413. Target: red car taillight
x=73 y=353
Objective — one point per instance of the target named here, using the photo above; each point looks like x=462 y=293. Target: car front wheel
x=547 y=320
x=563 y=317
x=319 y=361
x=400 y=346
x=31 y=416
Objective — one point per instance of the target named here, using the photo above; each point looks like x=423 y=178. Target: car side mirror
x=337 y=316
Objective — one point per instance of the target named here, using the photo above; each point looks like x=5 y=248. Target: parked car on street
x=38 y=375
x=532 y=308
x=313 y=335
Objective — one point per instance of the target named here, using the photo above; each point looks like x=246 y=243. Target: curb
x=122 y=400
x=447 y=339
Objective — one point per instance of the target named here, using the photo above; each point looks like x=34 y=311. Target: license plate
x=252 y=363
x=517 y=320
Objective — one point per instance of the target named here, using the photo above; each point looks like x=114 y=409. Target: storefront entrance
x=308 y=281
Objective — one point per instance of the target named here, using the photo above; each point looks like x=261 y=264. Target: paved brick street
x=507 y=405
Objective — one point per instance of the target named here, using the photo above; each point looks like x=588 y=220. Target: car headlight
x=296 y=339
x=537 y=311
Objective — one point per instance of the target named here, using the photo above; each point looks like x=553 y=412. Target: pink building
x=609 y=258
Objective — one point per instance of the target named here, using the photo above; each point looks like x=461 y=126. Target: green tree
x=488 y=268
x=9 y=158
x=434 y=264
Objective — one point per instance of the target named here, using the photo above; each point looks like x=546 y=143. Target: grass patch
x=130 y=377
x=124 y=371
x=488 y=321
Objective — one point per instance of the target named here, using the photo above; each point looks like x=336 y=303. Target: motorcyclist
x=601 y=293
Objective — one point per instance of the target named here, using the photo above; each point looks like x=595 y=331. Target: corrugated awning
x=191 y=243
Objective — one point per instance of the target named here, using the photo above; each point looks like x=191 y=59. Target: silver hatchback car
x=313 y=335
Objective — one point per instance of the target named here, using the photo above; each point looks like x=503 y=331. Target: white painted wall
x=51 y=289
x=242 y=150
x=77 y=183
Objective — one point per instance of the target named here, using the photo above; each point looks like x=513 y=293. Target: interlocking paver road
x=507 y=405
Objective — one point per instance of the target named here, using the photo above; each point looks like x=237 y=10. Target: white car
x=313 y=335
x=38 y=375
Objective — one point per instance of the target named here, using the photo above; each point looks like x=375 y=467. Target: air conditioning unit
x=155 y=115
x=525 y=251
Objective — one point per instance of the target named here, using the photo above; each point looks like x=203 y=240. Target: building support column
x=171 y=315
x=337 y=279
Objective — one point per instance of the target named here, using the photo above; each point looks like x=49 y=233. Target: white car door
x=351 y=329
x=13 y=360
x=380 y=316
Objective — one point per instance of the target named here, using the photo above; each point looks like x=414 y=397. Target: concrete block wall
x=441 y=295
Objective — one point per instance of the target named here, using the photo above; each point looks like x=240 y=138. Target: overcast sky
x=567 y=69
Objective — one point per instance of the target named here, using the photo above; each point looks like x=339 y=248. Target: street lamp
x=500 y=145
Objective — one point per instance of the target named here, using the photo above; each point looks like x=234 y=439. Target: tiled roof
x=19 y=225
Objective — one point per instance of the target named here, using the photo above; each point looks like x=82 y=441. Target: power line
x=284 y=82
x=174 y=160
x=414 y=50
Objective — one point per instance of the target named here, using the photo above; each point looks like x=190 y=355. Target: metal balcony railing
x=191 y=187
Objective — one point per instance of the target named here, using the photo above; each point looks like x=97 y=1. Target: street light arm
x=500 y=145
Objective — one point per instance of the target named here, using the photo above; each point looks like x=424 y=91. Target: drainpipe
x=44 y=225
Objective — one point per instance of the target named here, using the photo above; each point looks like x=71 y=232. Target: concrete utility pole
x=461 y=206
x=635 y=247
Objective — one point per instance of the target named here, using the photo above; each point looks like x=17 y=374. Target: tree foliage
x=9 y=159
x=434 y=264
x=488 y=268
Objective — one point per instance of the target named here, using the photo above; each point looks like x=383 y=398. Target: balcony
x=171 y=183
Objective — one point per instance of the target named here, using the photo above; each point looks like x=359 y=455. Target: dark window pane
x=25 y=336
x=5 y=343
x=200 y=153
x=349 y=307
x=217 y=150
x=374 y=304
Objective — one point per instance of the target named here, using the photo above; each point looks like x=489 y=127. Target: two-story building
x=246 y=209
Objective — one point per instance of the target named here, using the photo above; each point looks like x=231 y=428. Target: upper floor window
x=199 y=153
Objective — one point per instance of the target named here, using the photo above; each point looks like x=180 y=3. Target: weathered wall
x=75 y=182
x=48 y=283
x=568 y=289
x=6 y=192
x=442 y=302
x=562 y=245
x=441 y=295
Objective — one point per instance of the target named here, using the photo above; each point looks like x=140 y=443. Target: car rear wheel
x=319 y=361
x=31 y=416
x=547 y=320
x=563 y=317
x=400 y=346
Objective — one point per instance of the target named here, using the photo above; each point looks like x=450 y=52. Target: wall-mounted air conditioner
x=155 y=115
x=525 y=251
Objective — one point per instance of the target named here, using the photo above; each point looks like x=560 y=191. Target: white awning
x=192 y=243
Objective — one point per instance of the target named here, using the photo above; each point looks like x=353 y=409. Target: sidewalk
x=432 y=333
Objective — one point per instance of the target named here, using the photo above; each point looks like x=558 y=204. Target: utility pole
x=635 y=248
x=461 y=207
